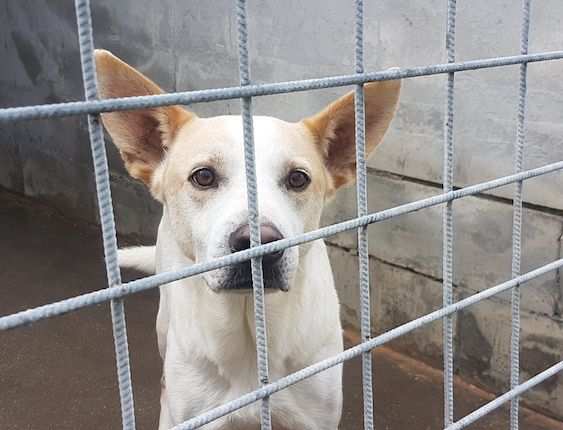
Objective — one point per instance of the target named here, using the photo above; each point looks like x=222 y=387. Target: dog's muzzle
x=240 y=275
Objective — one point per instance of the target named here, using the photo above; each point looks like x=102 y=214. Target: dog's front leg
x=165 y=420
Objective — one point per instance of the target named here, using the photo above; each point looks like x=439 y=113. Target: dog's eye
x=204 y=177
x=298 y=180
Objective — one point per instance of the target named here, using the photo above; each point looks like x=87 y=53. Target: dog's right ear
x=142 y=136
x=334 y=128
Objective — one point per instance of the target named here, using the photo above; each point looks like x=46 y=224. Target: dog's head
x=195 y=167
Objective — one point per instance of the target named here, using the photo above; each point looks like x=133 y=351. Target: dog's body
x=205 y=325
x=210 y=356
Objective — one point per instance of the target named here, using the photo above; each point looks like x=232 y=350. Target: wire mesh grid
x=117 y=290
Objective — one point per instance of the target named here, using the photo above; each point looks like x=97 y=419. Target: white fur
x=206 y=331
x=206 y=338
x=207 y=342
x=140 y=258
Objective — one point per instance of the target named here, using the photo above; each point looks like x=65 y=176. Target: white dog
x=195 y=168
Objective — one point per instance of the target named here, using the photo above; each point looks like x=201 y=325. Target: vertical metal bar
x=361 y=192
x=253 y=216
x=448 y=228
x=86 y=42
x=517 y=217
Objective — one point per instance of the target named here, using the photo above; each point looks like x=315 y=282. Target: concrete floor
x=59 y=373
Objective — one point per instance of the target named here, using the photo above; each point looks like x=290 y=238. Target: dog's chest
x=254 y=425
x=200 y=385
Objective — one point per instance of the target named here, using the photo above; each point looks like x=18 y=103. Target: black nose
x=240 y=240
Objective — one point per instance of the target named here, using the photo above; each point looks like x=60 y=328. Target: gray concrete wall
x=192 y=45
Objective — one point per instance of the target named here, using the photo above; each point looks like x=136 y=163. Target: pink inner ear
x=141 y=135
x=335 y=127
x=337 y=139
x=341 y=143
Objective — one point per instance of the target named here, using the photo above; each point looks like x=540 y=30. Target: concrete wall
x=192 y=45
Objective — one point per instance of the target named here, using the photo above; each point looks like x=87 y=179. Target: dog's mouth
x=239 y=278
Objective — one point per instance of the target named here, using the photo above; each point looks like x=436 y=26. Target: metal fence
x=117 y=290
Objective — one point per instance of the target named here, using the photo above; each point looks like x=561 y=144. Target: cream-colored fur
x=206 y=334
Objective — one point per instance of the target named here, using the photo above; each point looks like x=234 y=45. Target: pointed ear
x=334 y=128
x=142 y=136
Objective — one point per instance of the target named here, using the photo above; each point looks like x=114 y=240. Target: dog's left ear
x=143 y=135
x=334 y=128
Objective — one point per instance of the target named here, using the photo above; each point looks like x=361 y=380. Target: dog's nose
x=240 y=240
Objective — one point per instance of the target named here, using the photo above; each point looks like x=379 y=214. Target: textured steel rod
x=253 y=215
x=58 y=110
x=357 y=350
x=447 y=222
x=103 y=192
x=89 y=299
x=362 y=210
x=514 y=393
x=517 y=218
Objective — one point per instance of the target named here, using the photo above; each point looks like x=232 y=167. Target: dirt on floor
x=60 y=373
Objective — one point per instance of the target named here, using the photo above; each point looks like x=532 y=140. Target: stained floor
x=59 y=373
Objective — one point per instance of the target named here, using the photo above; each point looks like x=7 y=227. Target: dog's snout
x=240 y=240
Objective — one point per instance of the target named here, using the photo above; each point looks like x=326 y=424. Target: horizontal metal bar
x=97 y=297
x=190 y=97
x=506 y=397
x=350 y=353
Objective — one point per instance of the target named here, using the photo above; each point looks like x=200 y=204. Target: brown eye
x=298 y=180
x=204 y=178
